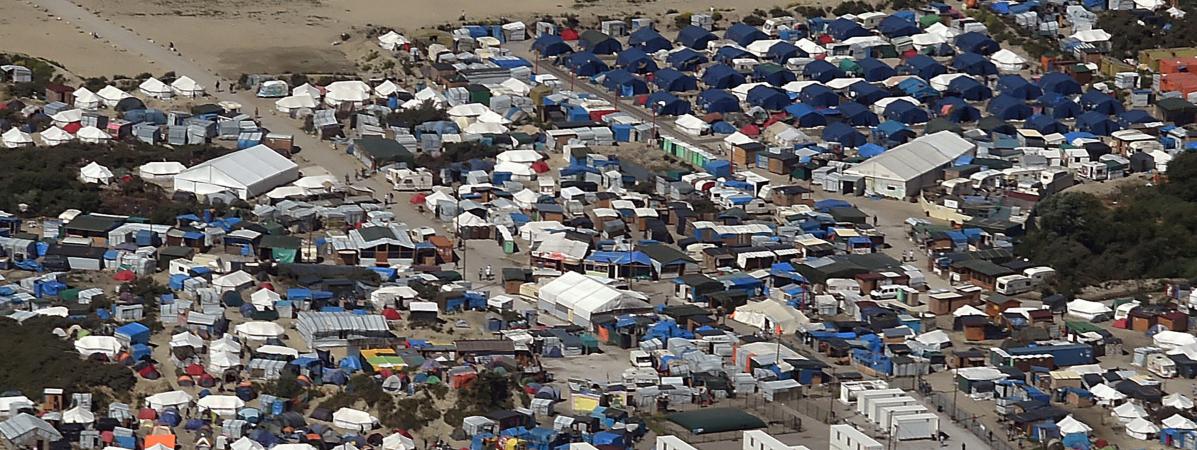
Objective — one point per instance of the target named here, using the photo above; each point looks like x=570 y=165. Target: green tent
x=716 y=420
x=850 y=66
x=928 y=20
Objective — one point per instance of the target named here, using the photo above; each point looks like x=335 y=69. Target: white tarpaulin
x=222 y=405
x=263 y=299
x=770 y=314
x=1169 y=340
x=259 y=330
x=1070 y=425
x=92 y=135
x=1087 y=309
x=1179 y=422
x=1140 y=428
x=164 y=400
x=1127 y=412
x=354 y=420
x=106 y=345
x=1106 y=393
x=78 y=415
x=1177 y=400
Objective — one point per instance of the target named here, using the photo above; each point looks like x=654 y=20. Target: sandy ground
x=29 y=29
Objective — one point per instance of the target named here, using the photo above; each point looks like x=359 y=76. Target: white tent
x=1179 y=422
x=935 y=338
x=86 y=99
x=218 y=362
x=106 y=345
x=1087 y=310
x=15 y=138
x=768 y=315
x=1069 y=425
x=79 y=415
x=691 y=125
x=248 y=173
x=1169 y=340
x=163 y=400
x=355 y=92
x=520 y=156
x=468 y=110
x=299 y=101
x=233 y=281
x=246 y=443
x=1106 y=395
x=95 y=173
x=516 y=87
x=184 y=86
x=111 y=95
x=1008 y=61
x=186 y=339
x=924 y=40
x=388 y=295
x=354 y=420
x=1177 y=400
x=392 y=41
x=1127 y=412
x=222 y=405
x=1141 y=429
x=258 y=330
x=64 y=118
x=160 y=170
x=278 y=350
x=1092 y=36
x=396 y=441
x=55 y=136
x=577 y=297
x=226 y=343
x=386 y=88
x=908 y=168
x=526 y=198
x=92 y=135
x=264 y=299
x=485 y=128
x=153 y=87
x=941 y=82
x=490 y=116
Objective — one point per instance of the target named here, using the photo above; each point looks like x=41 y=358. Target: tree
x=682 y=20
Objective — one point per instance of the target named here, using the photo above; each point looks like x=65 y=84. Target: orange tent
x=167 y=440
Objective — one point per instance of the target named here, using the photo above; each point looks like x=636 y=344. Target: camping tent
x=159 y=170
x=105 y=345
x=287 y=104
x=95 y=173
x=110 y=95
x=1087 y=310
x=353 y=92
x=222 y=405
x=55 y=136
x=171 y=399
x=153 y=87
x=232 y=282
x=1127 y=412
x=86 y=99
x=353 y=420
x=1069 y=425
x=15 y=138
x=184 y=86
x=93 y=135
x=259 y=330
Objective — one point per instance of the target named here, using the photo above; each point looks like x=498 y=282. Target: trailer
x=864 y=399
x=889 y=413
x=915 y=426
x=877 y=405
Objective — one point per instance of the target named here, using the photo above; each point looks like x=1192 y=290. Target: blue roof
x=1045 y=124
x=585 y=64
x=685 y=59
x=1096 y=123
x=806 y=115
x=722 y=76
x=977 y=42
x=974 y=64
x=602 y=45
x=649 y=40
x=822 y=71
x=1006 y=107
x=866 y=93
x=1096 y=100
x=873 y=69
x=620 y=258
x=897 y=26
x=695 y=37
x=624 y=83
x=636 y=60
x=843 y=29
x=969 y=88
x=1061 y=107
x=870 y=150
x=768 y=97
x=957 y=110
x=1018 y=86
x=1059 y=83
x=906 y=112
x=549 y=45
x=744 y=34
x=857 y=114
x=917 y=88
x=844 y=134
x=819 y=96
x=674 y=80
x=924 y=66
x=717 y=100
x=782 y=51
x=727 y=53
x=1135 y=116
x=773 y=74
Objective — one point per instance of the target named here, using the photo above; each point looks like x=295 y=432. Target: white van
x=1013 y=285
x=886 y=292
x=640 y=358
x=1040 y=275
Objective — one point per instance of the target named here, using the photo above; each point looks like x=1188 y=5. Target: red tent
x=540 y=167
x=391 y=314
x=750 y=130
x=267 y=285
x=194 y=370
x=125 y=275
x=418 y=199
x=825 y=39
x=72 y=127
x=569 y=34
x=147 y=414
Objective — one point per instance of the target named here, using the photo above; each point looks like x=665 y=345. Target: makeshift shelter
x=1101 y=102
x=908 y=168
x=721 y=76
x=665 y=104
x=1018 y=87
x=648 y=40
x=906 y=112
x=15 y=138
x=843 y=134
x=1059 y=83
x=768 y=97
x=86 y=99
x=577 y=298
x=349 y=92
x=874 y=70
x=599 y=43
x=695 y=37
x=673 y=80
x=773 y=74
x=550 y=45
x=1096 y=123
x=969 y=89
x=624 y=83
x=867 y=93
x=287 y=105
x=94 y=173
x=153 y=87
x=258 y=330
x=717 y=101
x=55 y=136
x=974 y=64
x=93 y=135
x=221 y=405
x=744 y=34
x=685 y=59
x=585 y=64
x=977 y=42
x=895 y=26
x=822 y=71
x=354 y=420
x=857 y=115
x=843 y=29
x=636 y=60
x=818 y=96
x=184 y=86
x=111 y=95
x=1008 y=61
x=956 y=110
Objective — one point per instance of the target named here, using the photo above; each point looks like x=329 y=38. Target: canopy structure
x=577 y=297
x=111 y=95
x=95 y=173
x=247 y=173
x=352 y=92
x=1140 y=428
x=153 y=87
x=222 y=405
x=15 y=138
x=163 y=400
x=259 y=330
x=93 y=135
x=1127 y=412
x=86 y=99
x=1070 y=425
x=1106 y=394
x=1179 y=422
x=1177 y=400
x=55 y=136
x=1169 y=340
x=105 y=345
x=160 y=170
x=354 y=420
x=771 y=315
x=295 y=102
x=184 y=86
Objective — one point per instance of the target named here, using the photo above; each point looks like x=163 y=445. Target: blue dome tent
x=783 y=51
x=773 y=74
x=867 y=93
x=744 y=34
x=1096 y=123
x=806 y=116
x=636 y=60
x=844 y=134
x=842 y=29
x=905 y=112
x=1017 y=86
x=896 y=26
x=585 y=64
x=977 y=42
x=919 y=89
x=957 y=110
x=551 y=45
x=821 y=71
x=873 y=69
x=624 y=83
x=974 y=64
x=695 y=37
x=717 y=100
x=893 y=132
x=857 y=115
x=666 y=104
x=1059 y=83
x=1133 y=117
x=1006 y=107
x=870 y=150
x=722 y=76
x=675 y=81
x=1061 y=107
x=1045 y=124
x=969 y=89
x=649 y=40
x=1099 y=101
x=768 y=97
x=686 y=59
x=727 y=53
x=923 y=66
x=599 y=43
x=818 y=96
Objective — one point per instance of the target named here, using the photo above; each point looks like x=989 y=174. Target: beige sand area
x=27 y=28
x=239 y=36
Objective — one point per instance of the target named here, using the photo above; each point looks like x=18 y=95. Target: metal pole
x=955 y=390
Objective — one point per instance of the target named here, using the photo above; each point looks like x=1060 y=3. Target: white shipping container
x=864 y=399
x=877 y=405
x=915 y=426
x=893 y=412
